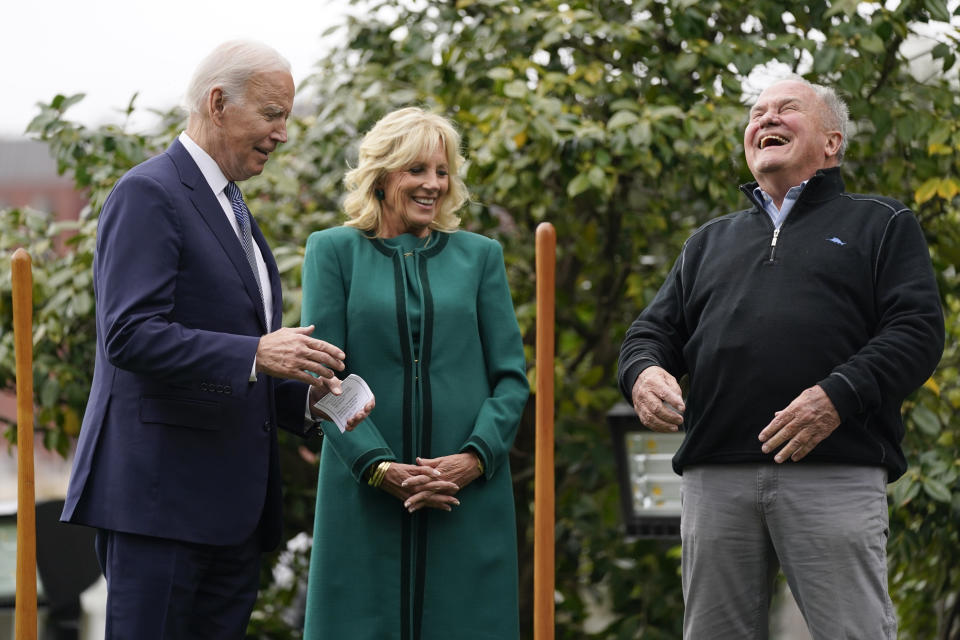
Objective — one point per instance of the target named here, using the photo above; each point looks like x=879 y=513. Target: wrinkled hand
x=657 y=400
x=333 y=385
x=802 y=425
x=419 y=486
x=459 y=468
x=292 y=353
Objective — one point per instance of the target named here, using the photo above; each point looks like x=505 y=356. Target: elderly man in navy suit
x=177 y=463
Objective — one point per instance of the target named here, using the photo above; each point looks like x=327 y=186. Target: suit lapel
x=207 y=205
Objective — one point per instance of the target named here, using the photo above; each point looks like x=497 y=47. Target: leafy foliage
x=620 y=122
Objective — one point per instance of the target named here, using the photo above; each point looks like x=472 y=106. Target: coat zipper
x=773 y=243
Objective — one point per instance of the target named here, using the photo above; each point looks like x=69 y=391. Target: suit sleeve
x=499 y=416
x=137 y=268
x=908 y=343
x=325 y=307
x=291 y=403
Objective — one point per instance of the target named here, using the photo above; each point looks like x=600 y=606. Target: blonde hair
x=396 y=141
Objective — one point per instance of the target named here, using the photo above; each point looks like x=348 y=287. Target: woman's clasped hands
x=432 y=482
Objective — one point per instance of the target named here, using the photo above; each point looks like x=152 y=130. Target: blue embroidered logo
x=836 y=240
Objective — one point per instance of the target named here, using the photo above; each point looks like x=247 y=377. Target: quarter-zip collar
x=826 y=184
x=778 y=215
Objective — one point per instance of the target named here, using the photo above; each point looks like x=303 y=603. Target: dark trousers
x=168 y=589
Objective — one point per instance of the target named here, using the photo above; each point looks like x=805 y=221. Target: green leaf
x=872 y=43
x=938 y=10
x=663 y=112
x=936 y=490
x=685 y=62
x=825 y=60
x=622 y=119
x=62 y=102
x=927 y=190
x=848 y=7
x=904 y=490
x=501 y=73
x=515 y=89
x=641 y=134
x=578 y=185
x=940 y=50
x=926 y=420
x=940 y=134
x=49 y=391
x=597 y=177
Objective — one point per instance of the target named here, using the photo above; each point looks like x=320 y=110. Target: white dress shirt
x=218 y=182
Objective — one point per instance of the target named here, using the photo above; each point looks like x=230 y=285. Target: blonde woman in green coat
x=415 y=537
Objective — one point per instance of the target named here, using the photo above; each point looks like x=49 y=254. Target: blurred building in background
x=28 y=178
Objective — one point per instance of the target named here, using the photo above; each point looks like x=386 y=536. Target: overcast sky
x=111 y=49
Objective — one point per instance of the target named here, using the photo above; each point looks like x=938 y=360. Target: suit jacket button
x=228 y=389
x=203 y=386
x=266 y=426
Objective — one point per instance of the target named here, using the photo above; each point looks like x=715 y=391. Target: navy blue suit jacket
x=176 y=441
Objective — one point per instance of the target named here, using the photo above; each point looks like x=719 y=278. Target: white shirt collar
x=207 y=165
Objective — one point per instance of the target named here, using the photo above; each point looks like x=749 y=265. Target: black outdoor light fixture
x=649 y=488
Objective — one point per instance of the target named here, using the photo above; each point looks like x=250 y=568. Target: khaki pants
x=825 y=525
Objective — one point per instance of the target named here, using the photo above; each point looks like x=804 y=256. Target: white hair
x=835 y=114
x=230 y=67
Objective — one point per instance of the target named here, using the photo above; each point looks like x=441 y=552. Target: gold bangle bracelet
x=480 y=465
x=379 y=474
x=372 y=480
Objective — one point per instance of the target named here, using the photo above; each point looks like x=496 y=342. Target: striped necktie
x=243 y=221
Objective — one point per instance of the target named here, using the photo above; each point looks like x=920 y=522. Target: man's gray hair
x=230 y=67
x=836 y=114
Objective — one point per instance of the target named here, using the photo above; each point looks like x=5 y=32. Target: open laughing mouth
x=425 y=202
x=772 y=141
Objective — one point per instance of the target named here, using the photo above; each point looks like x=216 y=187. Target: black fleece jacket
x=844 y=297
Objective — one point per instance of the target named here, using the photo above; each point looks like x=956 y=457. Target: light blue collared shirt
x=779 y=215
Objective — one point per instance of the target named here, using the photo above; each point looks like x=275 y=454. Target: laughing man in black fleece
x=802 y=323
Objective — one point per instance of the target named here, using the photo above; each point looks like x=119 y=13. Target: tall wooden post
x=25 y=618
x=544 y=510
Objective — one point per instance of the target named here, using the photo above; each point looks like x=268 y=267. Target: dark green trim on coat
x=406 y=535
x=426 y=432
x=360 y=464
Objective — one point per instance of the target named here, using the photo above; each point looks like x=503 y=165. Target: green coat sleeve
x=499 y=416
x=325 y=284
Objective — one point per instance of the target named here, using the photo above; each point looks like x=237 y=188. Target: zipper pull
x=773 y=242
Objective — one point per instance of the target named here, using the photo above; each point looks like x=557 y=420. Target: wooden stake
x=544 y=505
x=25 y=618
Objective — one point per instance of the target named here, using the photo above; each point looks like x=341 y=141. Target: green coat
x=376 y=571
